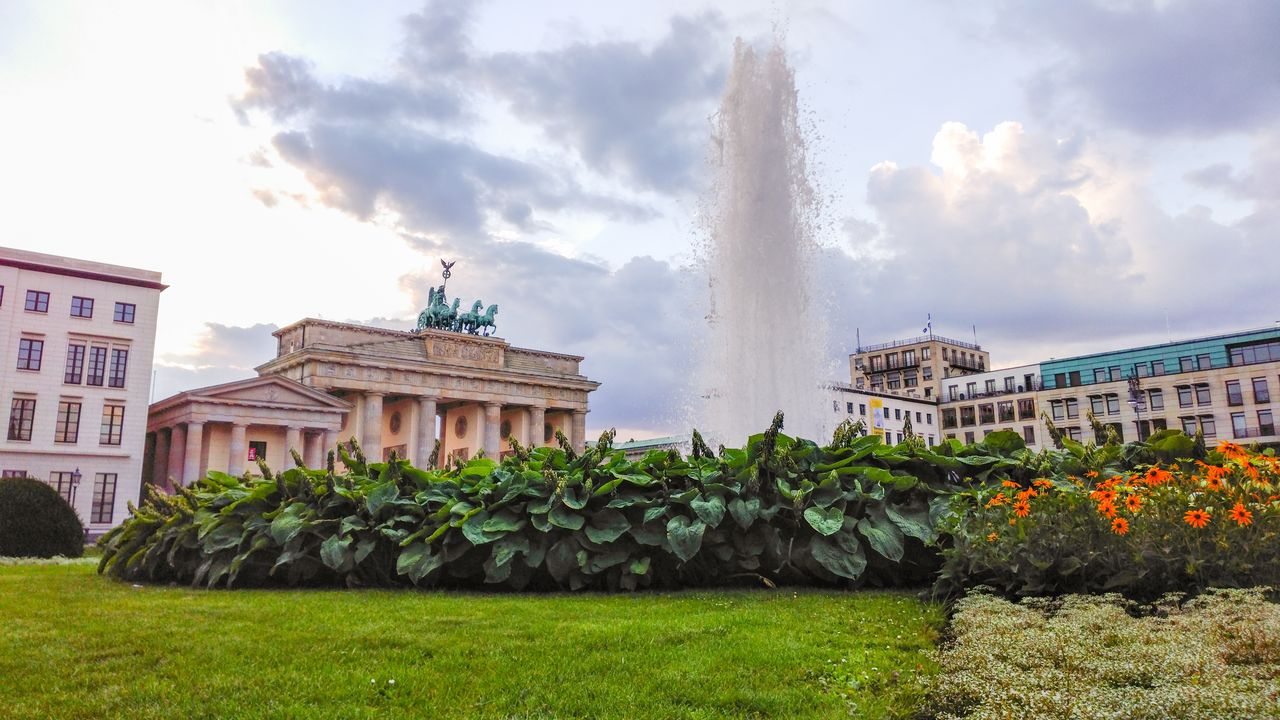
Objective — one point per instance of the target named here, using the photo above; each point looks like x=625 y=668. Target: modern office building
x=915 y=366
x=76 y=345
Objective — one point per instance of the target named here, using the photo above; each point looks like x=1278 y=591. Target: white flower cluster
x=1105 y=658
x=59 y=560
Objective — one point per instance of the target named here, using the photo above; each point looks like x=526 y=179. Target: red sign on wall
x=253 y=454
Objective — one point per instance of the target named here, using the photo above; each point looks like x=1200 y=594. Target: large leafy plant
x=780 y=510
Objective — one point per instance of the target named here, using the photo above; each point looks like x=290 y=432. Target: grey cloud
x=437 y=40
x=1158 y=68
x=628 y=111
x=222 y=354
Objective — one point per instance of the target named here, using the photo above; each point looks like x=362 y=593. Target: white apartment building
x=77 y=340
x=974 y=406
x=885 y=413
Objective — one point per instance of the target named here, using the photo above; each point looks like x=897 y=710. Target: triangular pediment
x=268 y=390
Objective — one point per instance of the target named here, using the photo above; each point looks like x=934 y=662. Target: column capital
x=373 y=393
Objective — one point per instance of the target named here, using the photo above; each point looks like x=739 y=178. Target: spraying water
x=763 y=350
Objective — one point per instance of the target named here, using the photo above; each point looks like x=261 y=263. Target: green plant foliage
x=780 y=510
x=35 y=521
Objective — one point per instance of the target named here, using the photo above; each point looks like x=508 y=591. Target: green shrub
x=36 y=522
x=1143 y=532
x=780 y=510
x=1102 y=657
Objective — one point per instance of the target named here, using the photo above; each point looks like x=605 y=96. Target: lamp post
x=75 y=483
x=1136 y=401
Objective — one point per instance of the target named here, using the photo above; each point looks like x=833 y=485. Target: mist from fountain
x=763 y=349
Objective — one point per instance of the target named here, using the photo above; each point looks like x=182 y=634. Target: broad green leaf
x=913 y=520
x=825 y=520
x=606 y=526
x=652 y=534
x=380 y=495
x=288 y=523
x=641 y=566
x=575 y=498
x=335 y=553
x=225 y=536
x=710 y=510
x=562 y=559
x=474 y=530
x=744 y=512
x=837 y=561
x=654 y=513
x=561 y=516
x=685 y=537
x=828 y=491
x=504 y=521
x=882 y=535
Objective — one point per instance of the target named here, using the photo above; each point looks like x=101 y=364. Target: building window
x=1008 y=384
x=1184 y=396
x=1188 y=425
x=104 y=498
x=918 y=417
x=257 y=450
x=948 y=418
x=1073 y=408
x=1186 y=364
x=1261 y=393
x=68 y=427
x=1234 y=396
x=1074 y=378
x=1099 y=375
x=97 y=366
x=13 y=473
x=21 y=415
x=1113 y=404
x=897 y=413
x=862 y=408
x=112 y=424
x=1119 y=430
x=64 y=483
x=1005 y=410
x=899 y=436
x=1263 y=352
x=30 y=353
x=930 y=441
x=81 y=307
x=908 y=358
x=1266 y=425
x=1238 y=427
x=991 y=386
x=1096 y=404
x=2 y=300
x=924 y=351
x=119 y=365
x=953 y=392
x=909 y=379
x=1202 y=394
x=1072 y=433
x=1026 y=408
x=75 y=365
x=124 y=312
x=1204 y=362
x=1029 y=434
x=971 y=389
x=37 y=301
x=849 y=408
x=968 y=437
x=1157 y=367
x=895 y=383
x=986 y=413
x=891 y=360
x=877 y=363
x=1208 y=426
x=1055 y=407
x=1115 y=372
x=967 y=416
x=927 y=372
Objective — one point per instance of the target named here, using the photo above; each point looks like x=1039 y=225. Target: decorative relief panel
x=461 y=351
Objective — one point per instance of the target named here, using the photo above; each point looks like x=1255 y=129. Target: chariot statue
x=440 y=314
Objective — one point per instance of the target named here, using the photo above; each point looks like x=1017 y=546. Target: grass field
x=75 y=645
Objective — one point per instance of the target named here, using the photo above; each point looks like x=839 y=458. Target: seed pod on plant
x=434 y=458
x=297 y=459
x=565 y=445
x=329 y=462
x=266 y=471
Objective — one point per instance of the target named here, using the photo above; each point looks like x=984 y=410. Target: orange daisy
x=999 y=499
x=1213 y=482
x=1022 y=508
x=1196 y=518
x=1230 y=450
x=1108 y=508
x=1120 y=526
x=1134 y=503
x=992 y=537
x=1241 y=515
x=1028 y=493
x=1010 y=484
x=1091 y=474
x=1043 y=483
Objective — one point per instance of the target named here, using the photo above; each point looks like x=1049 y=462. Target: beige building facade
x=392 y=390
x=915 y=366
x=77 y=339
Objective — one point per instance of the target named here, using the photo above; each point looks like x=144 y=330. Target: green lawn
x=74 y=644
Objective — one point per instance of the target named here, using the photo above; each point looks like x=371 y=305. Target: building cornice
x=53 y=265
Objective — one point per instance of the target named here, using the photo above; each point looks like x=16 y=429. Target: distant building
x=975 y=405
x=77 y=340
x=915 y=366
x=885 y=414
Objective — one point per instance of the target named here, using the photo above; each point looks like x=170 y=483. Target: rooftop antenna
x=858 y=341
x=975 y=334
x=1167 y=329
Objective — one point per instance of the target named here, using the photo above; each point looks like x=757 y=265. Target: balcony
x=964 y=364
x=917 y=341
x=1248 y=432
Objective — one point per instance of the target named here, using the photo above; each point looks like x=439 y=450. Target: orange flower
x=999 y=499
x=1156 y=477
x=1013 y=521
x=1028 y=493
x=992 y=537
x=1196 y=518
x=1251 y=472
x=1241 y=515
x=1103 y=495
x=1231 y=450
x=1108 y=508
x=1120 y=526
x=1022 y=508
x=1134 y=503
x=1091 y=474
x=1214 y=482
x=1043 y=483
x=1010 y=484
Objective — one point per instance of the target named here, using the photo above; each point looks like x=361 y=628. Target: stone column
x=526 y=420
x=292 y=441
x=537 y=425
x=328 y=441
x=313 y=455
x=371 y=439
x=578 y=430
x=160 y=465
x=191 y=458
x=237 y=450
x=492 y=429
x=424 y=431
x=177 y=452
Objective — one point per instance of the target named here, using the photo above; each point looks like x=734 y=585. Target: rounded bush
x=35 y=521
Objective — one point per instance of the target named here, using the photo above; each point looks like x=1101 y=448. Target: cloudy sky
x=1066 y=177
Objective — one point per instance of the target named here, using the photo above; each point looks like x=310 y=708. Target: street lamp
x=75 y=483
x=1136 y=401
